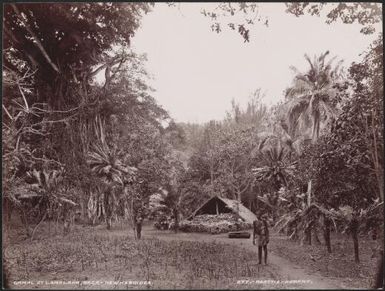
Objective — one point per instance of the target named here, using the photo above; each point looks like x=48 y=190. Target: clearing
x=93 y=257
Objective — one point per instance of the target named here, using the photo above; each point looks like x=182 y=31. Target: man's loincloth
x=261 y=240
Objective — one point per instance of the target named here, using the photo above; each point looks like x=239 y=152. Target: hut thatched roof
x=227 y=205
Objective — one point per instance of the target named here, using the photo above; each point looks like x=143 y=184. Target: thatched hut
x=217 y=205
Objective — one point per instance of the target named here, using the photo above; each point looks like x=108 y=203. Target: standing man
x=261 y=237
x=138 y=222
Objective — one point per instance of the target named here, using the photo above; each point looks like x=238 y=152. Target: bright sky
x=197 y=72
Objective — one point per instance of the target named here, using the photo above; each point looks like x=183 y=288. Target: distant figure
x=238 y=223
x=261 y=237
x=138 y=222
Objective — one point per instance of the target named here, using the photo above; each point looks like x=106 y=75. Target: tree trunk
x=377 y=166
x=176 y=220
x=315 y=235
x=25 y=222
x=308 y=232
x=355 y=243
x=109 y=222
x=327 y=234
x=354 y=232
x=133 y=216
x=289 y=230
x=238 y=200
x=67 y=218
x=316 y=127
x=108 y=210
x=83 y=207
x=294 y=235
x=8 y=212
x=36 y=227
x=379 y=279
x=308 y=236
x=309 y=193
x=212 y=177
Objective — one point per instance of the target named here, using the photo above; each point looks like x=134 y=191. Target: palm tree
x=277 y=168
x=310 y=99
x=311 y=95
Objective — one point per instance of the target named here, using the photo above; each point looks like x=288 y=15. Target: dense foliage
x=82 y=132
x=366 y=14
x=76 y=101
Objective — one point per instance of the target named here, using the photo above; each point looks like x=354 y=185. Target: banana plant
x=46 y=183
x=306 y=218
x=354 y=220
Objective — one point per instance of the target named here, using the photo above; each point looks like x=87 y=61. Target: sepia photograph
x=192 y=145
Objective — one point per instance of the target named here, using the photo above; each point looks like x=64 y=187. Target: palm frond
x=295 y=70
x=45 y=179
x=68 y=201
x=296 y=109
x=321 y=59
x=329 y=63
x=270 y=155
x=283 y=222
x=105 y=163
x=260 y=172
x=329 y=111
x=262 y=144
x=281 y=153
x=307 y=58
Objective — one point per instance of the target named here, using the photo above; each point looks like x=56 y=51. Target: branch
x=15 y=40
x=33 y=131
x=97 y=70
x=36 y=40
x=22 y=94
x=45 y=160
x=11 y=77
x=247 y=185
x=109 y=69
x=6 y=126
x=121 y=62
x=6 y=111
x=111 y=63
x=52 y=111
x=56 y=121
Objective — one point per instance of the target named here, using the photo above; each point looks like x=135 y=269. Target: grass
x=339 y=264
x=98 y=255
x=174 y=261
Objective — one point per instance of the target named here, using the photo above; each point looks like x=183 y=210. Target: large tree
x=59 y=48
x=52 y=53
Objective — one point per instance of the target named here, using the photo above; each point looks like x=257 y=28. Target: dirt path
x=280 y=268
